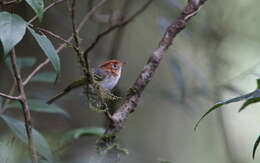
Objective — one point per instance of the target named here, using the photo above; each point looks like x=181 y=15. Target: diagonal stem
x=130 y=103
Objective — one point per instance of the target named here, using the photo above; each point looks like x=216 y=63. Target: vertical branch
x=83 y=61
x=72 y=15
x=25 y=107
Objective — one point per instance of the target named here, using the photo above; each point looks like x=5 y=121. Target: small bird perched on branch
x=106 y=75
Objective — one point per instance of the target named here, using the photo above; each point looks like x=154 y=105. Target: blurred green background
x=214 y=58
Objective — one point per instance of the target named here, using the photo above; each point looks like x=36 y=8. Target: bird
x=106 y=75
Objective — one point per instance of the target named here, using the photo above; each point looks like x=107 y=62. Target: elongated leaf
x=22 y=62
x=44 y=77
x=48 y=49
x=255 y=146
x=12 y=30
x=249 y=102
x=250 y=96
x=39 y=106
x=252 y=100
x=37 y=6
x=19 y=129
x=77 y=133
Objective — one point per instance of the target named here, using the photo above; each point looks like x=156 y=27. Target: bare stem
x=25 y=107
x=55 y=36
x=9 y=97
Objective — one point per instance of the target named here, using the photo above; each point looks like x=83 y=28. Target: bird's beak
x=124 y=63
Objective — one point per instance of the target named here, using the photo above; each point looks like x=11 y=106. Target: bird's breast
x=110 y=82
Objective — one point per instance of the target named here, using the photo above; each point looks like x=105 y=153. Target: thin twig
x=89 y=14
x=55 y=36
x=7 y=101
x=132 y=99
x=61 y=47
x=9 y=97
x=113 y=27
x=73 y=22
x=9 y=2
x=45 y=9
x=83 y=62
x=24 y=102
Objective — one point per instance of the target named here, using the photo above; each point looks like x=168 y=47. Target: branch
x=55 y=36
x=61 y=47
x=45 y=9
x=7 y=101
x=132 y=99
x=9 y=97
x=89 y=14
x=73 y=23
x=9 y=2
x=25 y=107
x=113 y=27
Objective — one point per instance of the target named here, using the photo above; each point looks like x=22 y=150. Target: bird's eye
x=115 y=66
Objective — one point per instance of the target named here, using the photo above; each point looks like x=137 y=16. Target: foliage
x=250 y=98
x=48 y=49
x=81 y=132
x=39 y=106
x=18 y=128
x=37 y=6
x=12 y=30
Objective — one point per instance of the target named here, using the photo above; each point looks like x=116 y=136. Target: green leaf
x=48 y=49
x=77 y=133
x=255 y=146
x=12 y=30
x=253 y=100
x=22 y=62
x=19 y=129
x=44 y=77
x=249 y=102
x=258 y=83
x=39 y=106
x=37 y=6
x=250 y=96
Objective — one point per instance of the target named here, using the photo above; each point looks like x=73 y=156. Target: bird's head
x=112 y=66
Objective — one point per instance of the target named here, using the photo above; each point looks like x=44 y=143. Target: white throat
x=111 y=81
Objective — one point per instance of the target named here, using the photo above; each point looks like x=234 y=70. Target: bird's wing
x=98 y=74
